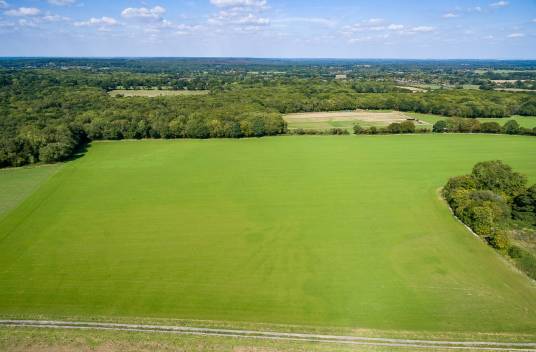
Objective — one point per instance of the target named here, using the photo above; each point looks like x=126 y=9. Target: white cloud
x=23 y=11
x=374 y=20
x=55 y=18
x=154 y=13
x=313 y=20
x=240 y=3
x=499 y=4
x=395 y=27
x=516 y=35
x=61 y=2
x=251 y=19
x=534 y=20
x=103 y=21
x=450 y=15
x=422 y=29
x=23 y=22
x=3 y=4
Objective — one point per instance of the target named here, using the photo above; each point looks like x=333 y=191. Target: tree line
x=495 y=202
x=46 y=114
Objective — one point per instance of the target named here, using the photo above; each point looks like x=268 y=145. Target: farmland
x=379 y=118
x=151 y=93
x=326 y=231
x=17 y=184
x=344 y=119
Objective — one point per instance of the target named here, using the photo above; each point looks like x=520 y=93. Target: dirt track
x=332 y=339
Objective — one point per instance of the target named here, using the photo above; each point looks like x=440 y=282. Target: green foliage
x=440 y=126
x=357 y=129
x=499 y=178
x=511 y=127
x=524 y=260
x=237 y=106
x=490 y=127
x=499 y=240
x=488 y=199
x=524 y=206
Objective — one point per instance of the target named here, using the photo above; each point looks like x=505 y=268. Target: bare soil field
x=413 y=89
x=346 y=119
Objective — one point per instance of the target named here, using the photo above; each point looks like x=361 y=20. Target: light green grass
x=18 y=183
x=151 y=93
x=333 y=231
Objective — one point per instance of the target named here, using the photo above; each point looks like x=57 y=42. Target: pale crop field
x=327 y=231
x=151 y=93
x=345 y=119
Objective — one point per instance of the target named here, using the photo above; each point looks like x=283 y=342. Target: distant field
x=524 y=121
x=344 y=119
x=367 y=118
x=18 y=183
x=327 y=231
x=444 y=86
x=155 y=92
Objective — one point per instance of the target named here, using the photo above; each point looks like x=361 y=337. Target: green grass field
x=17 y=184
x=332 y=231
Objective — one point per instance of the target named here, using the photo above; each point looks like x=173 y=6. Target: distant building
x=340 y=76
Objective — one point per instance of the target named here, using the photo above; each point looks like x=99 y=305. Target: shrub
x=499 y=240
x=499 y=178
x=54 y=152
x=524 y=260
x=407 y=127
x=357 y=129
x=440 y=126
x=490 y=127
x=511 y=127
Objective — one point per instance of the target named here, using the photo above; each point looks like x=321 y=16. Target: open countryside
x=267 y=176
x=292 y=255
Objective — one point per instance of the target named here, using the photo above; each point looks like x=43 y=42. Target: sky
x=441 y=29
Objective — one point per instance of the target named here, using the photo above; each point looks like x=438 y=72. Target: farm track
x=269 y=335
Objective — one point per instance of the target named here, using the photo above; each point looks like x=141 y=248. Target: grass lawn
x=18 y=183
x=333 y=231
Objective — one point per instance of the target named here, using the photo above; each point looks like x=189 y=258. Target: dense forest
x=48 y=110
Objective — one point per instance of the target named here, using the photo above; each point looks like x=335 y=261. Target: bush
x=407 y=127
x=511 y=127
x=357 y=129
x=524 y=260
x=499 y=240
x=524 y=206
x=499 y=178
x=490 y=127
x=440 y=126
x=54 y=152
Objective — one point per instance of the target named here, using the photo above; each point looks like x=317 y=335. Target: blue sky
x=500 y=29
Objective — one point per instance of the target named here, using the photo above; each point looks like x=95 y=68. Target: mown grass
x=331 y=231
x=18 y=183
